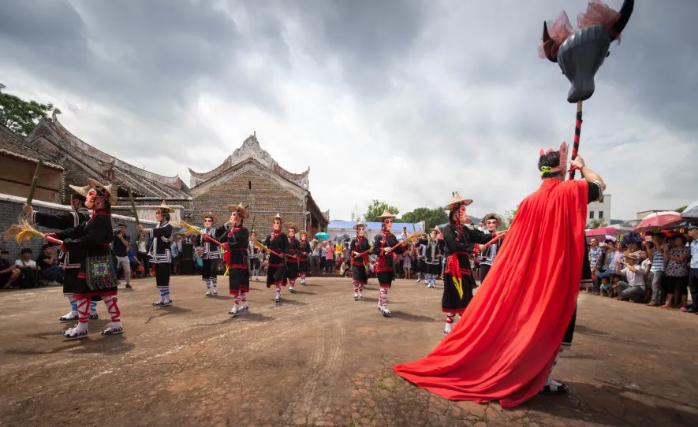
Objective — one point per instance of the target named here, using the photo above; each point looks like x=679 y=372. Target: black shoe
x=128 y=286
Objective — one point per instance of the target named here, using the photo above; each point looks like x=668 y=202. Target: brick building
x=251 y=176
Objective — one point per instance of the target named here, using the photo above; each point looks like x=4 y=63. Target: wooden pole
x=133 y=206
x=35 y=182
x=577 y=133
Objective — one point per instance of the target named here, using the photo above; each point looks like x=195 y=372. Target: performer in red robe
x=508 y=339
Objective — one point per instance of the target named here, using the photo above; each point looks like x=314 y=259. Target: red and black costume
x=358 y=263
x=303 y=260
x=517 y=321
x=276 y=271
x=460 y=243
x=237 y=240
x=292 y=261
x=70 y=261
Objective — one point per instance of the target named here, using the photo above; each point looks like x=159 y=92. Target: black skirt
x=239 y=280
x=276 y=276
x=70 y=280
x=303 y=266
x=358 y=274
x=385 y=278
x=452 y=302
x=291 y=270
x=433 y=269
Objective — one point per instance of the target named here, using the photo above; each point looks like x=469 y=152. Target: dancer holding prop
x=359 y=254
x=384 y=244
x=237 y=241
x=303 y=254
x=70 y=261
x=209 y=252
x=276 y=245
x=460 y=241
x=97 y=276
x=526 y=307
x=160 y=255
x=292 y=258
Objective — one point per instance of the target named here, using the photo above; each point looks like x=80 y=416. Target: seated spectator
x=615 y=279
x=135 y=264
x=633 y=288
x=47 y=262
x=8 y=273
x=605 y=287
x=30 y=272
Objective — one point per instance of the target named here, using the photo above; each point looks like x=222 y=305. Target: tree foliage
x=596 y=223
x=376 y=208
x=432 y=217
x=21 y=116
x=510 y=215
x=681 y=209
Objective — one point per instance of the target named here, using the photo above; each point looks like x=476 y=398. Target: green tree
x=510 y=215
x=596 y=223
x=681 y=209
x=431 y=217
x=22 y=116
x=376 y=208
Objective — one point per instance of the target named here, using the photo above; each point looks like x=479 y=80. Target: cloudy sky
x=403 y=101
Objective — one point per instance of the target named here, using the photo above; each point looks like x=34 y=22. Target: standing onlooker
x=47 y=262
x=595 y=258
x=143 y=254
x=30 y=273
x=676 y=273
x=645 y=265
x=8 y=273
x=329 y=258
x=657 y=255
x=693 y=272
x=120 y=248
x=176 y=250
x=407 y=261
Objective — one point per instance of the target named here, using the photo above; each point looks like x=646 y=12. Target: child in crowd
x=605 y=287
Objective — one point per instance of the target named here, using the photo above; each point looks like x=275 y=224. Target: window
x=249 y=185
x=591 y=214
x=600 y=214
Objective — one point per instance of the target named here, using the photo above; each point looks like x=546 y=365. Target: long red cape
x=504 y=345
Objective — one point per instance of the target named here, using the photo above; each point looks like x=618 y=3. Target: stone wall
x=11 y=211
x=265 y=197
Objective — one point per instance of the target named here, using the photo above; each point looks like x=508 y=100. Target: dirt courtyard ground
x=318 y=358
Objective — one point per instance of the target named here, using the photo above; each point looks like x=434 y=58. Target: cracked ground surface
x=318 y=358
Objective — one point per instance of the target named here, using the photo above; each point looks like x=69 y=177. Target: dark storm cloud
x=146 y=57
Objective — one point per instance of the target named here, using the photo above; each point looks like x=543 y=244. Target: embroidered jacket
x=277 y=242
x=160 y=248
x=210 y=250
x=238 y=240
x=64 y=221
x=90 y=239
x=431 y=252
x=385 y=239
x=304 y=250
x=460 y=242
x=360 y=244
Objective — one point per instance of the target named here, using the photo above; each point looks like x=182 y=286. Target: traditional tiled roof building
x=251 y=176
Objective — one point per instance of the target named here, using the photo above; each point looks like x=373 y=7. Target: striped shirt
x=657 y=262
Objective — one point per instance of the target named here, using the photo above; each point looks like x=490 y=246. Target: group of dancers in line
x=86 y=234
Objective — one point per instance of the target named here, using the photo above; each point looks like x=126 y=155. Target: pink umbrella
x=602 y=231
x=658 y=220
